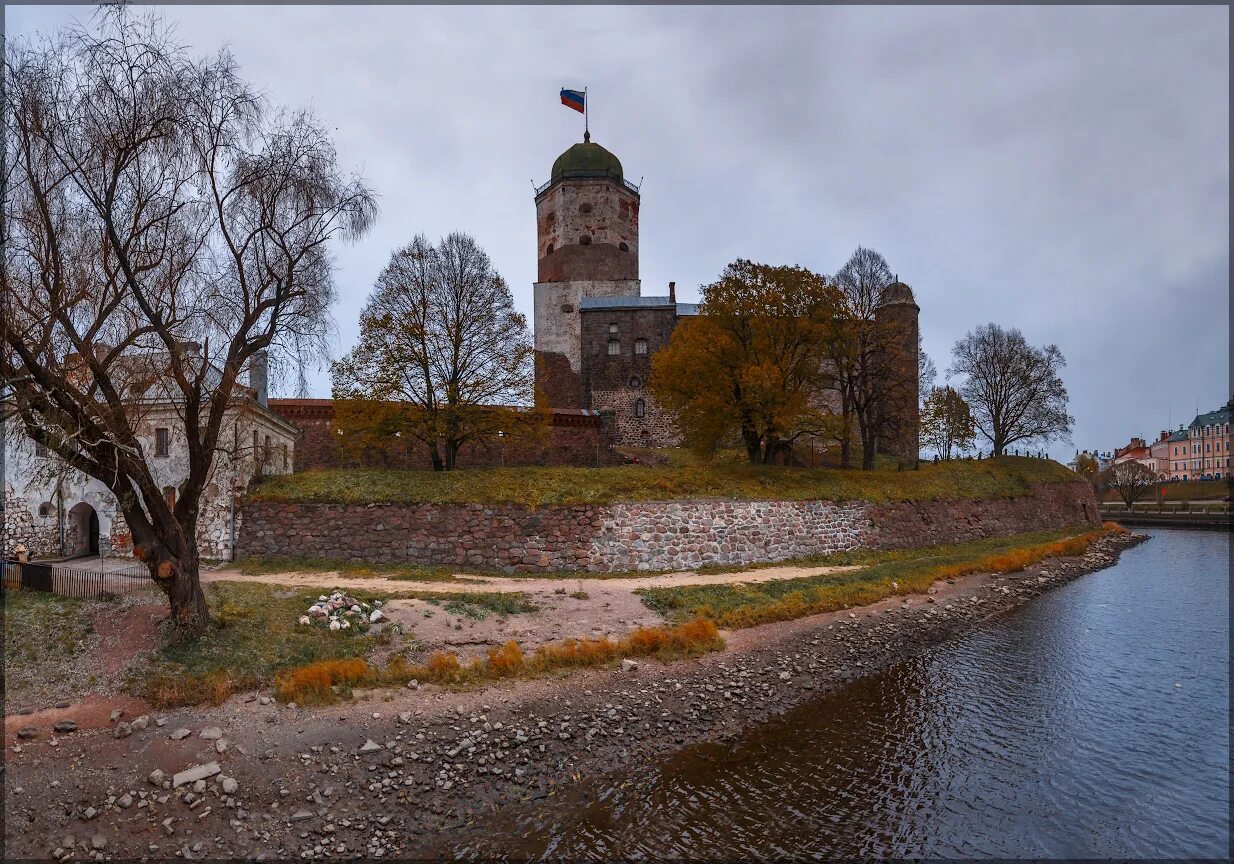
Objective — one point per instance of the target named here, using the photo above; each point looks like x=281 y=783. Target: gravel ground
x=403 y=773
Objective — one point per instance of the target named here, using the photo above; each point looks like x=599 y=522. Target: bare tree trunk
x=189 y=610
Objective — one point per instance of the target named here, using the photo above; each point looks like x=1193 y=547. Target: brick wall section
x=571 y=438
x=642 y=536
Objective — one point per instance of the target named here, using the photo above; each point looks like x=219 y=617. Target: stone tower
x=898 y=308
x=587 y=235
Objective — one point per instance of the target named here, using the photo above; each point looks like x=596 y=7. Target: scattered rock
x=197 y=772
x=180 y=734
x=123 y=730
x=125 y=801
x=211 y=733
x=301 y=815
x=141 y=722
x=116 y=714
x=369 y=746
x=230 y=785
x=66 y=726
x=90 y=813
x=629 y=665
x=221 y=745
x=98 y=841
x=156 y=777
x=27 y=732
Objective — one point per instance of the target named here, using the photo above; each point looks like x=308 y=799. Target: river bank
x=398 y=774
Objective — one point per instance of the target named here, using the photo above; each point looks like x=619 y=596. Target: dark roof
x=591 y=304
x=1213 y=418
x=586 y=159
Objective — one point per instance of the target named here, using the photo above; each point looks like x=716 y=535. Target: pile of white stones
x=340 y=611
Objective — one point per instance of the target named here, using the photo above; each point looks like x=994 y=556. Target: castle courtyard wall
x=656 y=535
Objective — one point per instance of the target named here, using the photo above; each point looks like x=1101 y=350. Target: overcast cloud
x=1061 y=170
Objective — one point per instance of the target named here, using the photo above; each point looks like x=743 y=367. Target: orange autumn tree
x=753 y=364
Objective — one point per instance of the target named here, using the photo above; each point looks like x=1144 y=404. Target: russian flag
x=573 y=99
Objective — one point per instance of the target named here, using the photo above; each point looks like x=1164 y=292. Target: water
x=1092 y=723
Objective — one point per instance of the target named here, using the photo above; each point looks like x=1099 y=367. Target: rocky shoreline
x=399 y=774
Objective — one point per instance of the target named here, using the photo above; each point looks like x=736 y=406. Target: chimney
x=259 y=375
x=672 y=292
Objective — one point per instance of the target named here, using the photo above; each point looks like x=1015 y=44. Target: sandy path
x=508 y=584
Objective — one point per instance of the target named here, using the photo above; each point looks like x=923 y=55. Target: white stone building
x=58 y=512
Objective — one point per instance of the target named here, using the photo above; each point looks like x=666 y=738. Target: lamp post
x=502 y=436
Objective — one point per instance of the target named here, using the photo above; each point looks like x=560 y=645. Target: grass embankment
x=888 y=573
x=327 y=681
x=1007 y=476
x=44 y=635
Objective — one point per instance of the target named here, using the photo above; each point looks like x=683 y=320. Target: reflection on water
x=1092 y=723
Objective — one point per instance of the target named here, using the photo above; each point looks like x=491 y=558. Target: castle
x=595 y=332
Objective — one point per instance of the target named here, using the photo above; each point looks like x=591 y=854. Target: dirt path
x=471 y=582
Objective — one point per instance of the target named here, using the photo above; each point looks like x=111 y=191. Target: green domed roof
x=896 y=292
x=586 y=160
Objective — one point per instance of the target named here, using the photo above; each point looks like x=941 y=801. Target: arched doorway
x=82 y=534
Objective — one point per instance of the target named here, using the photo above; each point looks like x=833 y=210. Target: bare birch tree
x=162 y=227
x=442 y=349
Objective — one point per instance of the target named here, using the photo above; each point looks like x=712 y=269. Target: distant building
x=1208 y=438
x=1178 y=448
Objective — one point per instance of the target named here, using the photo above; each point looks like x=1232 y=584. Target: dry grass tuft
x=314 y=683
x=320 y=683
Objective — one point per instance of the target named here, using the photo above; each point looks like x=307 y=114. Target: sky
x=1063 y=170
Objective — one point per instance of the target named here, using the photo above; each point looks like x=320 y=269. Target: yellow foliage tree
x=753 y=364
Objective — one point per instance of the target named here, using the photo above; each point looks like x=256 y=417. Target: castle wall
x=568 y=438
x=653 y=535
x=619 y=382
x=558 y=335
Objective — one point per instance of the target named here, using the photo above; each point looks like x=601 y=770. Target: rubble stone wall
x=655 y=535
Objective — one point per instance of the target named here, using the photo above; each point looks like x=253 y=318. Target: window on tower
x=614 y=347
x=584 y=208
x=624 y=247
x=640 y=346
x=549 y=249
x=585 y=240
x=640 y=408
x=612 y=328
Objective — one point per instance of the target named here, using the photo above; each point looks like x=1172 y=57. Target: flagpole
x=586 y=108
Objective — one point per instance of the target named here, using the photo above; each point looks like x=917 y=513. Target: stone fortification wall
x=657 y=535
